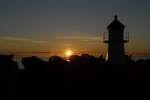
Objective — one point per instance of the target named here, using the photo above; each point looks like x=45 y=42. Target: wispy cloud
x=81 y=38
x=15 y=38
x=21 y=39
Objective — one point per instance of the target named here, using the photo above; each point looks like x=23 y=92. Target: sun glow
x=68 y=53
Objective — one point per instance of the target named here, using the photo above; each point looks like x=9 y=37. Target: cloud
x=21 y=39
x=14 y=38
x=81 y=38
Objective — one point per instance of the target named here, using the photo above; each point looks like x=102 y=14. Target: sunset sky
x=51 y=27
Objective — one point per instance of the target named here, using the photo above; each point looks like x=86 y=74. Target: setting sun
x=69 y=53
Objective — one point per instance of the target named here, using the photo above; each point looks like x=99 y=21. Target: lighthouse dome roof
x=116 y=24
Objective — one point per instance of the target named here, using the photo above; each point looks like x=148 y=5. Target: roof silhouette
x=116 y=24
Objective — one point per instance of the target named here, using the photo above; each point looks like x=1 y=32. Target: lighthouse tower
x=115 y=41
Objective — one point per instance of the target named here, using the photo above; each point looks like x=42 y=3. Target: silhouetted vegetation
x=41 y=79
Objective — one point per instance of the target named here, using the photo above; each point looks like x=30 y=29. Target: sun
x=68 y=53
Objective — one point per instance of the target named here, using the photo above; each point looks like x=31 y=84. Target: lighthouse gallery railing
x=106 y=37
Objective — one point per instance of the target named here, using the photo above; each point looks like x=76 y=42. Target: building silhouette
x=115 y=41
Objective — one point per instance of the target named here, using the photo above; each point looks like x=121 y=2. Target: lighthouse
x=115 y=41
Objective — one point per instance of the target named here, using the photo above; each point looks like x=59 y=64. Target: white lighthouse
x=115 y=41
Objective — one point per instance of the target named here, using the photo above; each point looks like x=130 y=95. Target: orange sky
x=92 y=45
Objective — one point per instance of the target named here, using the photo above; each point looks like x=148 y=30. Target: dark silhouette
x=8 y=76
x=60 y=79
x=57 y=74
x=115 y=41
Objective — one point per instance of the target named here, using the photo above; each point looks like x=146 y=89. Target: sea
x=21 y=66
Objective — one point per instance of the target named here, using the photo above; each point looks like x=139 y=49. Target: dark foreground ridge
x=57 y=78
